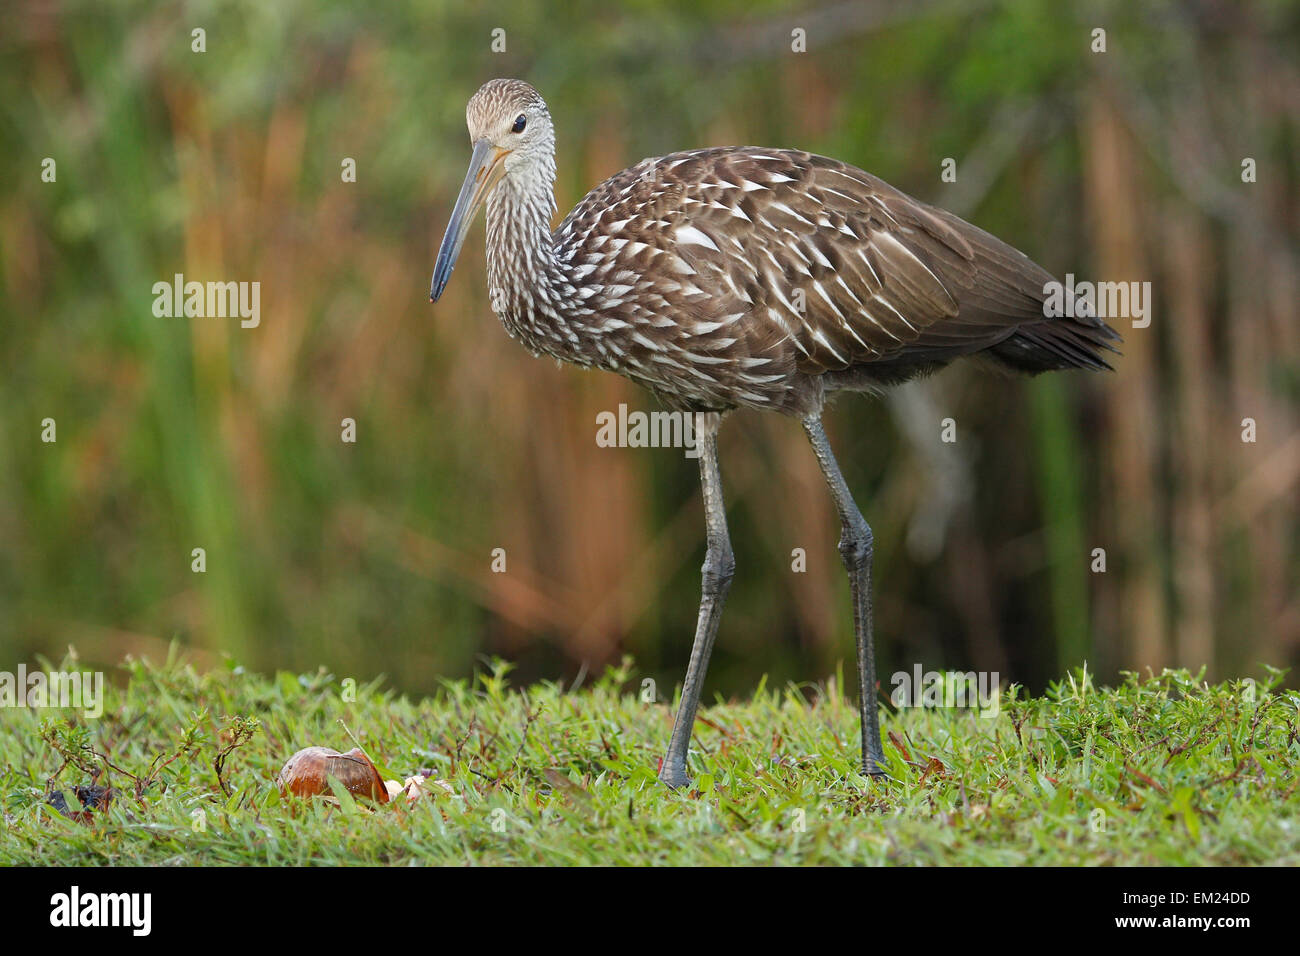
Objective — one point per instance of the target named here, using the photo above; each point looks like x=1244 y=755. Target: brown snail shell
x=305 y=774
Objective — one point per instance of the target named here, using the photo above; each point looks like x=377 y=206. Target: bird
x=733 y=278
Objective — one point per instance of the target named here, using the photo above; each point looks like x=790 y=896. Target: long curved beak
x=486 y=167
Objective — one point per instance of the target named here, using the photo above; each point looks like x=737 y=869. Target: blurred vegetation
x=374 y=557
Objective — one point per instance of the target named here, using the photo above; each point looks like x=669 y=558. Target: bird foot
x=875 y=768
x=674 y=775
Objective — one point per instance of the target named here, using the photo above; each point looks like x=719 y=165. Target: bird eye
x=520 y=122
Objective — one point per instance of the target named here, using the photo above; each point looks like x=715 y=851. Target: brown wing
x=787 y=259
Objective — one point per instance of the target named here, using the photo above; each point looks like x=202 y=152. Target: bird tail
x=1058 y=343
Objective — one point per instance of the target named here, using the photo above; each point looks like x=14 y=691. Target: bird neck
x=526 y=281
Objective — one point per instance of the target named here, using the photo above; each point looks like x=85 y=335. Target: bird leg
x=719 y=566
x=855 y=549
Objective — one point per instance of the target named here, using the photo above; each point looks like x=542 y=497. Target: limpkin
x=745 y=277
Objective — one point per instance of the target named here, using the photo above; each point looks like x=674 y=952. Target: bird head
x=513 y=141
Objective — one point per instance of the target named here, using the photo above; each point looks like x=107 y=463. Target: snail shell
x=305 y=774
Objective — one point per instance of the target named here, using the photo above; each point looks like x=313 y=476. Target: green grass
x=1162 y=770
